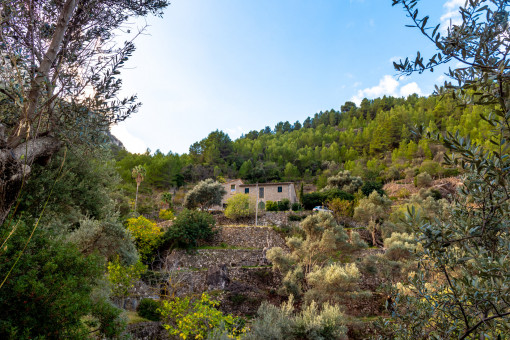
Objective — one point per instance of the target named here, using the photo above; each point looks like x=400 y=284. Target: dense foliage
x=187 y=318
x=47 y=289
x=240 y=205
x=461 y=287
x=190 y=227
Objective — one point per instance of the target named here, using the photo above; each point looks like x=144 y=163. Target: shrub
x=204 y=195
x=166 y=197
x=341 y=208
x=123 y=278
x=431 y=167
x=148 y=308
x=314 y=199
x=240 y=205
x=147 y=236
x=403 y=193
x=372 y=186
x=294 y=218
x=423 y=180
x=431 y=192
x=332 y=282
x=48 y=290
x=312 y=322
x=271 y=206
x=344 y=181
x=166 y=214
x=323 y=237
x=188 y=228
x=400 y=246
x=108 y=237
x=188 y=319
x=284 y=205
x=357 y=242
x=297 y=206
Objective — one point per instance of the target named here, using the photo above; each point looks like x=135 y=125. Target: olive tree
x=205 y=194
x=59 y=66
x=372 y=211
x=461 y=290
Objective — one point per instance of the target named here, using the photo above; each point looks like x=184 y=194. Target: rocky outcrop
x=217 y=277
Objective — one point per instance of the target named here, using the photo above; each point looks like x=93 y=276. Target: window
x=280 y=189
x=246 y=190
x=261 y=192
x=233 y=188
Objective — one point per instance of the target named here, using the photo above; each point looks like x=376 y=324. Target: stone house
x=265 y=191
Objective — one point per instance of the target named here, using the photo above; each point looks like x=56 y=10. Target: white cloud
x=451 y=13
x=387 y=86
x=235 y=132
x=409 y=89
x=133 y=144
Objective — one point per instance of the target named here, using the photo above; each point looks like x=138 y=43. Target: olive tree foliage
x=284 y=323
x=461 y=290
x=59 y=66
x=306 y=270
x=205 y=194
x=345 y=182
x=373 y=210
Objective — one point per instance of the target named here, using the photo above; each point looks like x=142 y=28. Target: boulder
x=217 y=277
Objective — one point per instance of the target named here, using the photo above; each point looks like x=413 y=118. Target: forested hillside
x=374 y=141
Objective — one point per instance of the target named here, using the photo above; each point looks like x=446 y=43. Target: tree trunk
x=136 y=196
x=15 y=167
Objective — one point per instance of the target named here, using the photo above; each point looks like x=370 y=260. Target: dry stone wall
x=266 y=218
x=248 y=237
x=205 y=258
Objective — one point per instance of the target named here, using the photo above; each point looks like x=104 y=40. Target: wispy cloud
x=236 y=132
x=451 y=13
x=387 y=86
x=133 y=144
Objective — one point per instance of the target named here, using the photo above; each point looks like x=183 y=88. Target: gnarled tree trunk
x=15 y=166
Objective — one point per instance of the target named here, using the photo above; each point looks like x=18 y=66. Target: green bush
x=400 y=246
x=297 y=206
x=240 y=205
x=166 y=214
x=311 y=323
x=148 y=308
x=284 y=205
x=357 y=242
x=423 y=180
x=271 y=206
x=189 y=228
x=369 y=186
x=314 y=199
x=48 y=292
x=294 y=218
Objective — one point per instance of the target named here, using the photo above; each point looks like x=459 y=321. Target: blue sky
x=239 y=65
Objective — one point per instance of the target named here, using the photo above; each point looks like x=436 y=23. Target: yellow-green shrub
x=188 y=319
x=123 y=278
x=147 y=236
x=240 y=205
x=166 y=214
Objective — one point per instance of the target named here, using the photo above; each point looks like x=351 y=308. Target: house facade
x=263 y=191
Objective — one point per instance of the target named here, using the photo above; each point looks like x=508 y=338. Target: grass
x=243 y=226
x=226 y=247
x=250 y=267
x=133 y=317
